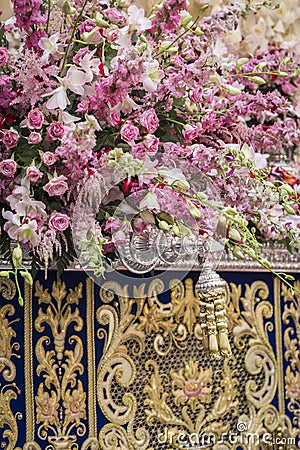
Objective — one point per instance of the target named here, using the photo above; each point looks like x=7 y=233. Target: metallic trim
x=28 y=366
x=279 y=345
x=92 y=415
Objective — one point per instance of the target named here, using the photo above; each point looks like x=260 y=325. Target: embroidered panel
x=82 y=367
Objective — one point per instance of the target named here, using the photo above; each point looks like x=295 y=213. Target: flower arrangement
x=97 y=85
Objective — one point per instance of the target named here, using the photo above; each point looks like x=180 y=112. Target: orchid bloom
x=137 y=20
x=150 y=202
x=74 y=81
x=152 y=75
x=90 y=65
x=49 y=45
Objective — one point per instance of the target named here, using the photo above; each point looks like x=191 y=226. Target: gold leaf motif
x=186 y=305
x=7 y=418
x=7 y=288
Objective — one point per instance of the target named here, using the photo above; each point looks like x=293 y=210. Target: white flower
x=152 y=76
x=49 y=45
x=90 y=65
x=74 y=81
x=173 y=176
x=137 y=20
x=259 y=160
x=150 y=202
x=126 y=106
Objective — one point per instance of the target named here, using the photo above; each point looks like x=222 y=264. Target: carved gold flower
x=74 y=404
x=191 y=385
x=47 y=406
x=150 y=319
x=292 y=385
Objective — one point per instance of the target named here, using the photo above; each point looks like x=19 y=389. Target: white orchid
x=152 y=75
x=74 y=81
x=50 y=46
x=150 y=201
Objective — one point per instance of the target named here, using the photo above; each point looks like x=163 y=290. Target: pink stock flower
x=10 y=139
x=56 y=186
x=49 y=158
x=35 y=119
x=149 y=120
x=129 y=132
x=33 y=174
x=8 y=168
x=151 y=142
x=58 y=221
x=55 y=131
x=3 y=56
x=112 y=225
x=34 y=138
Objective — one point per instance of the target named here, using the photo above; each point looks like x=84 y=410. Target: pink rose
x=10 y=139
x=190 y=133
x=113 y=35
x=49 y=158
x=114 y=118
x=8 y=168
x=86 y=26
x=114 y=15
x=34 y=138
x=129 y=132
x=35 y=119
x=112 y=225
x=59 y=221
x=151 y=142
x=3 y=56
x=33 y=174
x=138 y=151
x=149 y=120
x=56 y=186
x=55 y=131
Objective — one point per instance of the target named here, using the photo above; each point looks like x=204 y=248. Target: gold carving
x=7 y=288
x=7 y=418
x=60 y=400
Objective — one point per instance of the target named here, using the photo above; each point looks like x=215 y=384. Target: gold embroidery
x=7 y=288
x=60 y=401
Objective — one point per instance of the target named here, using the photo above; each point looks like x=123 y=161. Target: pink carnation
x=10 y=139
x=149 y=120
x=35 y=119
x=8 y=168
x=33 y=174
x=59 y=221
x=49 y=158
x=56 y=186
x=55 y=131
x=3 y=56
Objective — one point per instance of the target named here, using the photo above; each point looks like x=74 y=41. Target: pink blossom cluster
x=143 y=101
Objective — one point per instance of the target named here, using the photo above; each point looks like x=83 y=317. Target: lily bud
x=183 y=184
x=176 y=230
x=27 y=277
x=237 y=252
x=4 y=274
x=289 y=209
x=286 y=187
x=240 y=62
x=163 y=225
x=21 y=301
x=232 y=90
x=198 y=32
x=17 y=256
x=257 y=80
x=195 y=212
x=68 y=9
x=234 y=235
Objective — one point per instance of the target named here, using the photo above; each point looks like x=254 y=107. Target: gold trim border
x=279 y=344
x=92 y=417
x=28 y=366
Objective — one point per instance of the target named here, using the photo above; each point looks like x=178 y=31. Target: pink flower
x=8 y=167
x=112 y=225
x=10 y=139
x=129 y=132
x=58 y=221
x=33 y=174
x=55 y=131
x=113 y=15
x=34 y=138
x=190 y=133
x=56 y=186
x=151 y=142
x=49 y=158
x=35 y=119
x=114 y=118
x=86 y=26
x=80 y=54
x=149 y=120
x=3 y=56
x=138 y=151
